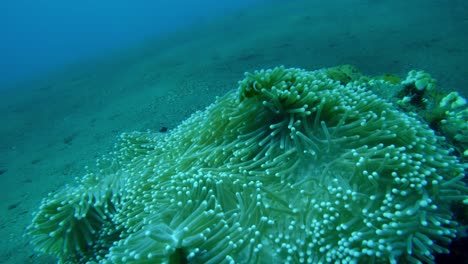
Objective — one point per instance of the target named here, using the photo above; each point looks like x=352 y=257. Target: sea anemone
x=294 y=166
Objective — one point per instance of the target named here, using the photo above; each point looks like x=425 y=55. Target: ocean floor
x=54 y=126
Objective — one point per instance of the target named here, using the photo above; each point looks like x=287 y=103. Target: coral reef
x=294 y=166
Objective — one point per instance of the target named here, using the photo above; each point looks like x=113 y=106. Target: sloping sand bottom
x=51 y=128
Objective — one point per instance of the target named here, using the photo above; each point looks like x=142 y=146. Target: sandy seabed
x=53 y=126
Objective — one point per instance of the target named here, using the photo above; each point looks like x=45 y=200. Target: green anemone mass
x=292 y=167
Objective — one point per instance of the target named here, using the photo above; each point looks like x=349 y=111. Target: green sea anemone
x=292 y=167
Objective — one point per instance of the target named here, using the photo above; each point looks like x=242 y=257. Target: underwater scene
x=208 y=131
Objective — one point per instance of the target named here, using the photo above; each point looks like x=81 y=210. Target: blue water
x=39 y=36
x=74 y=75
